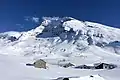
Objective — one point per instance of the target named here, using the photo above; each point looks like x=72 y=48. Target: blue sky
x=18 y=15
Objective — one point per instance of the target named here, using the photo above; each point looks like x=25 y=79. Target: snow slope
x=14 y=68
x=55 y=40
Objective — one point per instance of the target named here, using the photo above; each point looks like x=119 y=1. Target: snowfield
x=58 y=41
x=14 y=68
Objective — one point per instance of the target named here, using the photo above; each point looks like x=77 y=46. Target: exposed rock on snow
x=97 y=66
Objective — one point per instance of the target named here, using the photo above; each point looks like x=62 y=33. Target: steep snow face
x=32 y=33
x=96 y=31
x=109 y=33
x=64 y=36
x=74 y=24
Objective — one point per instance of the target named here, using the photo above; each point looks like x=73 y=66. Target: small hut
x=40 y=64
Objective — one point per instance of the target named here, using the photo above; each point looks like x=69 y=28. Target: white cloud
x=27 y=18
x=33 y=19
x=20 y=25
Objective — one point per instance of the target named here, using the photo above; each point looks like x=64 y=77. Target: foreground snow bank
x=92 y=77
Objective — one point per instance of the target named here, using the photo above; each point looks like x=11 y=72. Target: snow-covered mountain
x=65 y=36
x=56 y=40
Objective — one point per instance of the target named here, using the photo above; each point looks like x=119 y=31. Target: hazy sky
x=22 y=15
